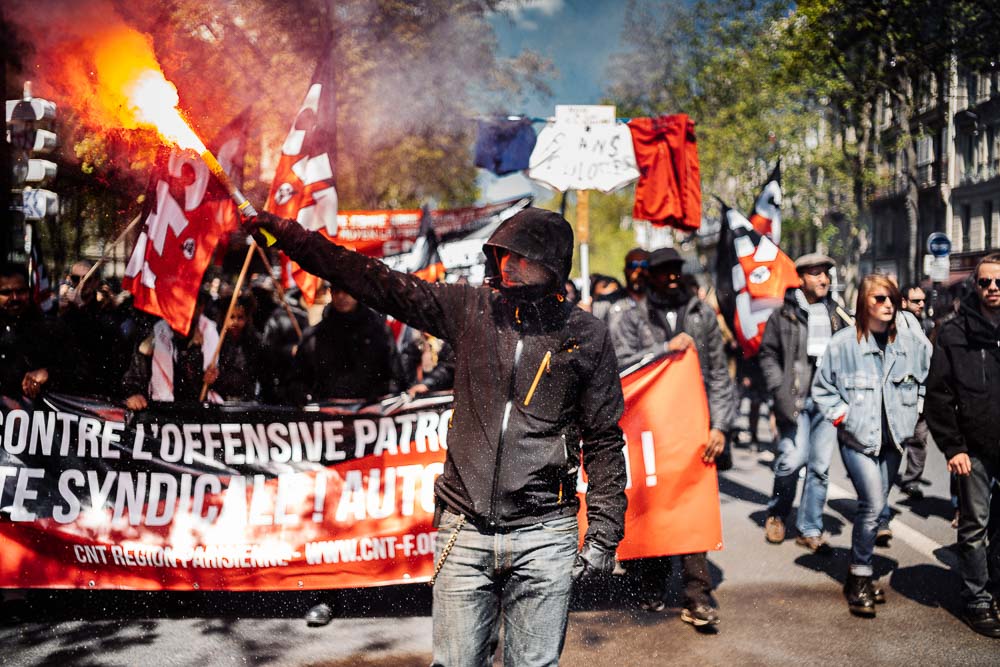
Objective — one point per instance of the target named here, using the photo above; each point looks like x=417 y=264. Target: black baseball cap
x=664 y=257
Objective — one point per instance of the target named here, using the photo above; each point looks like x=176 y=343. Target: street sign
x=938 y=269
x=938 y=244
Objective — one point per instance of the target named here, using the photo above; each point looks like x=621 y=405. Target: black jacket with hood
x=963 y=385
x=511 y=462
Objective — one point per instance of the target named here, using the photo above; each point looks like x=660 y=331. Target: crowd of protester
x=89 y=339
x=827 y=379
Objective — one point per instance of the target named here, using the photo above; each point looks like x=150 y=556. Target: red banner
x=265 y=498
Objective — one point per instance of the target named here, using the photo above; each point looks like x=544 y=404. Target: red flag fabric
x=766 y=216
x=188 y=212
x=303 y=187
x=669 y=187
x=673 y=496
x=752 y=275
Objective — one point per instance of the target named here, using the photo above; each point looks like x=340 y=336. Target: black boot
x=878 y=593
x=860 y=598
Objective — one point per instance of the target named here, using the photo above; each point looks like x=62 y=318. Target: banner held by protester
x=267 y=498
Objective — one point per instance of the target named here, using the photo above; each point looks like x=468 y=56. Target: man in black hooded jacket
x=963 y=391
x=536 y=384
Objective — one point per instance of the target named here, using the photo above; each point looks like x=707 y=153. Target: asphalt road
x=779 y=605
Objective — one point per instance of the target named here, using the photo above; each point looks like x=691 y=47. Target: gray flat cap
x=813 y=259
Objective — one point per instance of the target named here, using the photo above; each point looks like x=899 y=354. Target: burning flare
x=155 y=102
x=134 y=90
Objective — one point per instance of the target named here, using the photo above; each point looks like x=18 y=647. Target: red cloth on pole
x=669 y=187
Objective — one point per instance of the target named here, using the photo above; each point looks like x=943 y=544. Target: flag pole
x=229 y=312
x=281 y=291
x=104 y=253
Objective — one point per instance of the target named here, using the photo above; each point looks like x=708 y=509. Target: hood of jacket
x=541 y=236
x=979 y=331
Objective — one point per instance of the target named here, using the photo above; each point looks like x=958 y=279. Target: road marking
x=912 y=537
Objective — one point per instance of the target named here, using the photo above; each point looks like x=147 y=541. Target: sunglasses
x=916 y=300
x=881 y=298
x=10 y=291
x=984 y=283
x=638 y=264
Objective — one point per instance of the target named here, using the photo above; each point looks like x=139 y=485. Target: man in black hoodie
x=536 y=385
x=963 y=392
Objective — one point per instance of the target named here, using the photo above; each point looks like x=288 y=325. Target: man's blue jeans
x=872 y=477
x=809 y=442
x=523 y=577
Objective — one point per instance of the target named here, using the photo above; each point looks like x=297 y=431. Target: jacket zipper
x=503 y=431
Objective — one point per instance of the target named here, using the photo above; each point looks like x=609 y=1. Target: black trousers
x=979 y=530
x=654 y=574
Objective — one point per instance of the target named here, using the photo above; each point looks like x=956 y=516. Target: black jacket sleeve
x=601 y=406
x=940 y=404
x=433 y=307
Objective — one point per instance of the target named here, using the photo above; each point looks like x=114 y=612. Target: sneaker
x=700 y=615
x=983 y=620
x=774 y=530
x=652 y=605
x=883 y=536
x=814 y=543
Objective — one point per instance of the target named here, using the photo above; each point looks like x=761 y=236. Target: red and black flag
x=752 y=275
x=230 y=147
x=425 y=261
x=766 y=216
x=188 y=211
x=303 y=187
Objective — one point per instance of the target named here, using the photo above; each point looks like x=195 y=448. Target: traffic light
x=30 y=122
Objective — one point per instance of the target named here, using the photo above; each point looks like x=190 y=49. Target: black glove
x=591 y=561
x=269 y=223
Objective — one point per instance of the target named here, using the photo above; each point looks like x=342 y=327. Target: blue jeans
x=872 y=477
x=523 y=576
x=808 y=442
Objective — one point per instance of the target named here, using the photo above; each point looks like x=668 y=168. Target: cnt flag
x=766 y=216
x=303 y=187
x=752 y=275
x=187 y=213
x=424 y=262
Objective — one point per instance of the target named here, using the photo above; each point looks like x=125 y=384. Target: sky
x=579 y=37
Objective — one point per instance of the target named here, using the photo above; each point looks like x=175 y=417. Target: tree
x=410 y=75
x=870 y=52
x=729 y=65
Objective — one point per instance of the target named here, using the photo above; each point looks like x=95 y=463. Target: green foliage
x=728 y=65
x=407 y=74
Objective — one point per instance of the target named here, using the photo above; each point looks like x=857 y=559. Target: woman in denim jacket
x=867 y=384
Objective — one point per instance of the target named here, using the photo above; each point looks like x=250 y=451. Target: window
x=970 y=156
x=972 y=88
x=966 y=225
x=992 y=161
x=988 y=223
